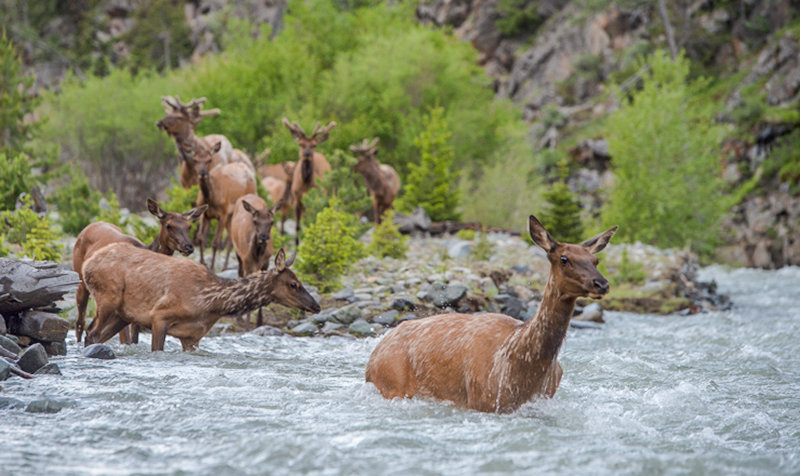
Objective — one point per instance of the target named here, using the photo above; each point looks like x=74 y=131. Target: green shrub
x=110 y=212
x=142 y=230
x=15 y=178
x=329 y=248
x=15 y=100
x=341 y=182
x=5 y=250
x=387 y=239
x=467 y=235
x=629 y=271
x=431 y=183
x=667 y=190
x=517 y=16
x=483 y=248
x=33 y=233
x=77 y=202
x=562 y=216
x=16 y=225
x=180 y=199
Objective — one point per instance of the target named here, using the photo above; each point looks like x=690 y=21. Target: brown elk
x=310 y=166
x=492 y=362
x=173 y=236
x=280 y=191
x=219 y=189
x=178 y=296
x=381 y=179
x=251 y=227
x=180 y=122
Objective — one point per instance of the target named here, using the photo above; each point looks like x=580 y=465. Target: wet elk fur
x=382 y=180
x=492 y=362
x=173 y=235
x=177 y=296
x=310 y=166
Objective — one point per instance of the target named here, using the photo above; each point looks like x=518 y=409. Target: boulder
x=3 y=328
x=49 y=369
x=401 y=304
x=387 y=318
x=344 y=294
x=323 y=316
x=304 y=329
x=99 y=351
x=443 y=295
x=593 y=313
x=33 y=358
x=56 y=348
x=347 y=314
x=9 y=345
x=417 y=222
x=5 y=370
x=33 y=284
x=42 y=326
x=267 y=331
x=45 y=405
x=459 y=249
x=330 y=327
x=361 y=327
x=7 y=403
x=510 y=305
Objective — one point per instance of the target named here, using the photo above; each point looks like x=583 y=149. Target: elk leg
x=215 y=245
x=81 y=300
x=189 y=344
x=110 y=324
x=125 y=335
x=376 y=212
x=199 y=237
x=134 y=330
x=298 y=212
x=228 y=254
x=159 y=336
x=259 y=319
x=240 y=271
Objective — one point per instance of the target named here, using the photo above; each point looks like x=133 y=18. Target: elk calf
x=173 y=235
x=492 y=362
x=382 y=180
x=177 y=296
x=310 y=166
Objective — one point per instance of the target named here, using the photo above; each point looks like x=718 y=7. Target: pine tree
x=387 y=240
x=15 y=102
x=431 y=184
x=562 y=217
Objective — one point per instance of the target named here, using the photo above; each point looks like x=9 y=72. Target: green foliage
x=517 y=16
x=110 y=212
x=35 y=234
x=15 y=178
x=387 y=239
x=180 y=199
x=562 y=216
x=15 y=100
x=329 y=248
x=157 y=41
x=667 y=190
x=142 y=230
x=16 y=225
x=5 y=250
x=628 y=272
x=431 y=183
x=467 y=235
x=77 y=202
x=342 y=183
x=483 y=248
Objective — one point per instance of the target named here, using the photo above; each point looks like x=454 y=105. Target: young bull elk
x=173 y=236
x=492 y=362
x=382 y=180
x=310 y=166
x=177 y=296
x=220 y=187
x=180 y=122
x=251 y=227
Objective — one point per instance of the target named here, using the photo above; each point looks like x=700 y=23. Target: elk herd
x=487 y=362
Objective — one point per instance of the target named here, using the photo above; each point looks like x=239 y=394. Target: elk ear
x=216 y=147
x=540 y=235
x=597 y=243
x=196 y=213
x=280 y=260
x=154 y=209
x=248 y=208
x=290 y=261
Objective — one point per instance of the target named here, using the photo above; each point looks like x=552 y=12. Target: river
x=713 y=393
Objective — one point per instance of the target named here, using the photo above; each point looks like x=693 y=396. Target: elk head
x=174 y=231
x=201 y=157
x=288 y=290
x=308 y=144
x=182 y=118
x=367 y=152
x=262 y=222
x=573 y=267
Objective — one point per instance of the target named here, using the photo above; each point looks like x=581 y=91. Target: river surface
x=714 y=393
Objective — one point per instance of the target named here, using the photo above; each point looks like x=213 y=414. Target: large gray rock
x=49 y=369
x=56 y=348
x=33 y=358
x=361 y=327
x=7 y=403
x=330 y=327
x=324 y=316
x=459 y=249
x=510 y=305
x=9 y=345
x=33 y=284
x=344 y=294
x=414 y=223
x=5 y=369
x=387 y=318
x=3 y=328
x=42 y=326
x=99 y=351
x=593 y=313
x=304 y=329
x=267 y=331
x=402 y=304
x=45 y=405
x=444 y=295
x=347 y=314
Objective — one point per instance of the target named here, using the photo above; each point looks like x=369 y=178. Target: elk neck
x=258 y=249
x=205 y=187
x=372 y=176
x=537 y=343
x=307 y=169
x=237 y=296
x=158 y=247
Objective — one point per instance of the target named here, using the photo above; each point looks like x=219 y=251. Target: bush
x=329 y=248
x=483 y=248
x=15 y=178
x=15 y=100
x=517 y=16
x=667 y=190
x=467 y=235
x=77 y=202
x=110 y=212
x=5 y=250
x=431 y=183
x=387 y=239
x=35 y=234
x=629 y=271
x=341 y=182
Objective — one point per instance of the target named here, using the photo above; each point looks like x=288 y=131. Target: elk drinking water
x=492 y=362
x=173 y=236
x=178 y=297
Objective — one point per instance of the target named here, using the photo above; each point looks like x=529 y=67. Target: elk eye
x=294 y=285
x=169 y=227
x=564 y=260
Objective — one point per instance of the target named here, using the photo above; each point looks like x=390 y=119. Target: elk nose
x=306 y=153
x=159 y=124
x=600 y=285
x=189 y=249
x=262 y=238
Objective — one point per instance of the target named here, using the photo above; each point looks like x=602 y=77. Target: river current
x=712 y=393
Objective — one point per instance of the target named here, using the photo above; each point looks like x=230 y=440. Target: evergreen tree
x=387 y=240
x=562 y=217
x=431 y=184
x=15 y=102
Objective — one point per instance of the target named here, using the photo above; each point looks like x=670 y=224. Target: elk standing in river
x=382 y=180
x=310 y=166
x=173 y=236
x=178 y=297
x=492 y=362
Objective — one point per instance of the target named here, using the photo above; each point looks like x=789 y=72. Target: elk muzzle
x=599 y=288
x=187 y=250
